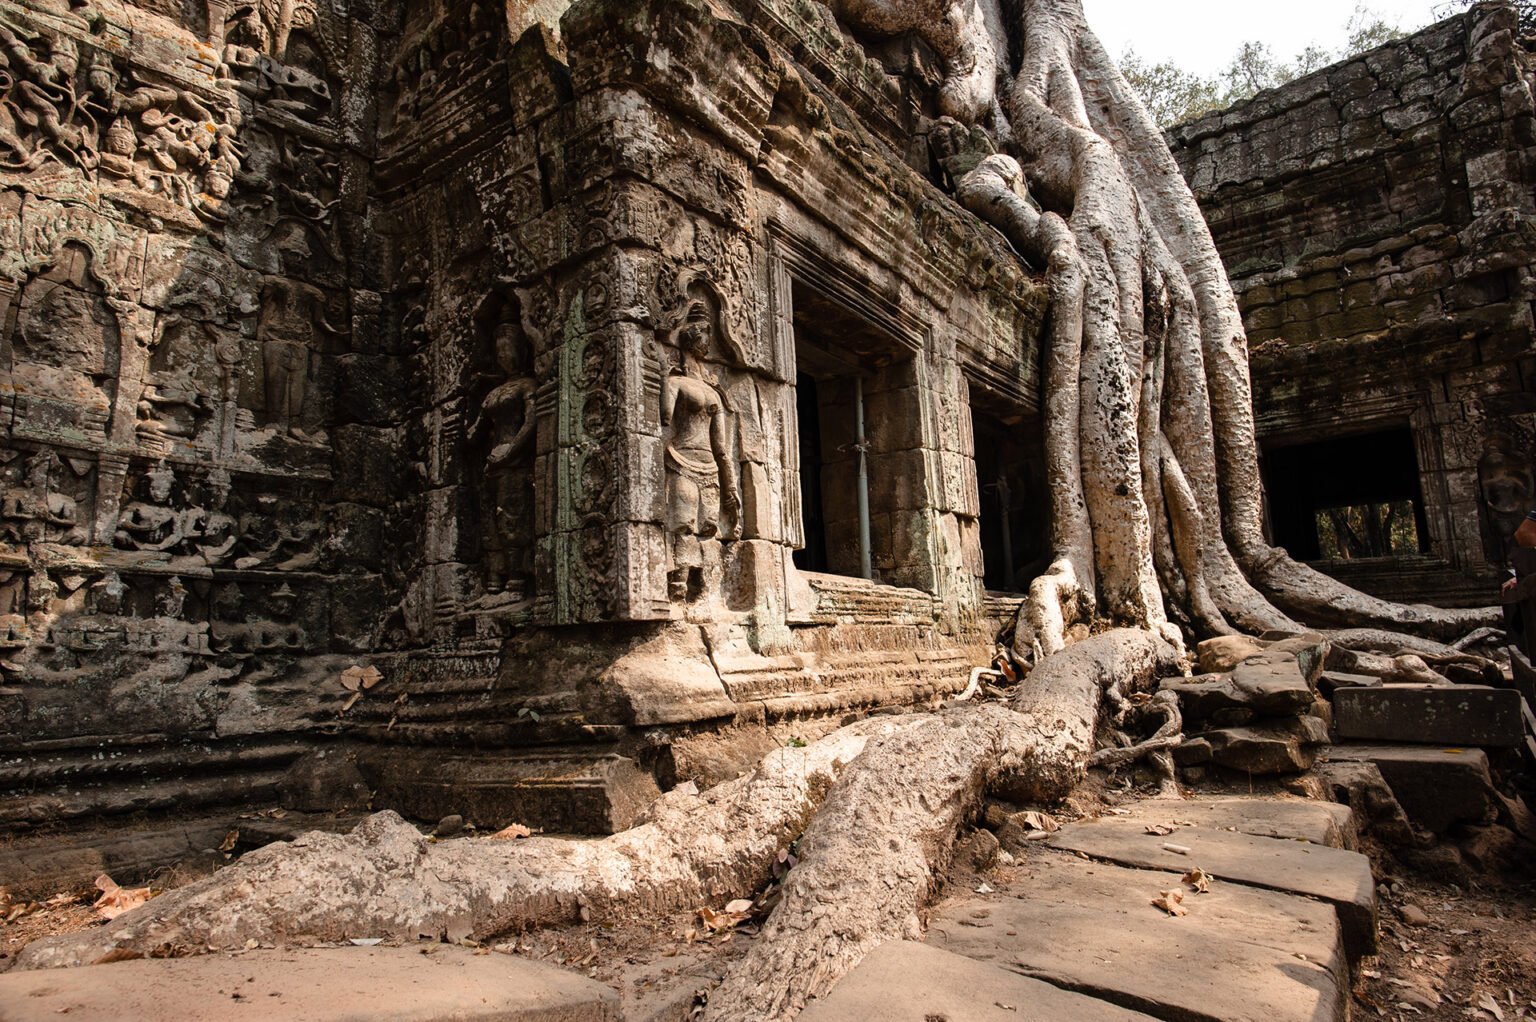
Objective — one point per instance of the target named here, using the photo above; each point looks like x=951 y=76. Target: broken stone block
x=1224 y=652
x=1330 y=681
x=1202 y=695
x=1310 y=651
x=1277 y=687
x=1462 y=715
x=1436 y=786
x=1260 y=749
x=324 y=781
x=1362 y=787
x=977 y=851
x=1192 y=752
x=1310 y=729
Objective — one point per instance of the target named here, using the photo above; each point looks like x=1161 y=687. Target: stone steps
x=1271 y=941
x=1438 y=786
x=1456 y=715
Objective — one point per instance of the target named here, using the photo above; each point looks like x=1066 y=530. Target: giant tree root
x=385 y=880
x=878 y=803
x=870 y=858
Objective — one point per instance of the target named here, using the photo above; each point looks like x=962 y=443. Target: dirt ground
x=1451 y=949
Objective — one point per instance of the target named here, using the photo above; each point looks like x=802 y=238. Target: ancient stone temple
x=1376 y=218
x=477 y=412
x=513 y=411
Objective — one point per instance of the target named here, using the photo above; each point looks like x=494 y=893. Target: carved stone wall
x=1376 y=218
x=184 y=297
x=386 y=385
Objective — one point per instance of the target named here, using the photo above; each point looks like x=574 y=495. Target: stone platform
x=1072 y=932
x=315 y=985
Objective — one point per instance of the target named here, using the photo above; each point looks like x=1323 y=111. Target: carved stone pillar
x=111 y=470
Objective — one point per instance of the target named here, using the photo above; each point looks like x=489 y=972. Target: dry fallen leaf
x=738 y=911
x=1199 y=879
x=1159 y=829
x=120 y=954
x=230 y=840
x=511 y=832
x=115 y=900
x=359 y=677
x=1171 y=902
x=1491 y=1006
x=1035 y=820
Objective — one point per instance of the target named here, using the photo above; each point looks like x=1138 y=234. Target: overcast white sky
x=1202 y=35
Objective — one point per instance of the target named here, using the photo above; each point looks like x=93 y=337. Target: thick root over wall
x=875 y=805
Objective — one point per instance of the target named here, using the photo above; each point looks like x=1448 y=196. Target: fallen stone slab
x=1275 y=687
x=1286 y=748
x=1299 y=926
x=1330 y=681
x=904 y=981
x=1239 y=953
x=1338 y=877
x=380 y=984
x=1460 y=715
x=1437 y=786
x=1292 y=819
x=1204 y=695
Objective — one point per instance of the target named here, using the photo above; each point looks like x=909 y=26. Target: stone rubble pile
x=1254 y=707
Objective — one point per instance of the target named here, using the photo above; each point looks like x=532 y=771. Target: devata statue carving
x=702 y=477
x=507 y=415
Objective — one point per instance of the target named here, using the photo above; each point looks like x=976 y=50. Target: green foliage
x=1524 y=9
x=1174 y=95
x=1368 y=530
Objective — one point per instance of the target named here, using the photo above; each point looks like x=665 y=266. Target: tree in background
x=1524 y=9
x=1174 y=95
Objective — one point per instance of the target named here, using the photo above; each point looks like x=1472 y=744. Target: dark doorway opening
x=863 y=485
x=1347 y=498
x=1014 y=503
x=813 y=556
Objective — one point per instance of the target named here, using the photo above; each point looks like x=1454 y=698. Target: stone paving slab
x=376 y=984
x=1240 y=955
x=1322 y=823
x=1298 y=926
x=1455 y=715
x=1339 y=877
x=908 y=982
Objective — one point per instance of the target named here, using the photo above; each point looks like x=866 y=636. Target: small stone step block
x=1448 y=715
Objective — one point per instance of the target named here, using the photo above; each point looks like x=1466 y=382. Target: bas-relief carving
x=505 y=423
x=292 y=321
x=67 y=102
x=34 y=508
x=703 y=492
